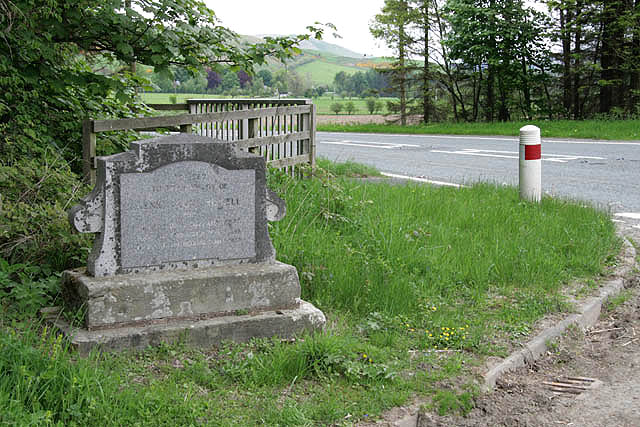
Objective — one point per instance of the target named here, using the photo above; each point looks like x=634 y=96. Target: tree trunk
x=526 y=90
x=426 y=96
x=402 y=77
x=566 y=17
x=577 y=55
x=634 y=80
x=489 y=113
x=503 y=111
x=611 y=92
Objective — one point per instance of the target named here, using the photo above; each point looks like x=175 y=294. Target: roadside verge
x=587 y=313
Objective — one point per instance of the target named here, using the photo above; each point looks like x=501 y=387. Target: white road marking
x=558 y=158
x=632 y=215
x=370 y=144
x=490 y=138
x=428 y=181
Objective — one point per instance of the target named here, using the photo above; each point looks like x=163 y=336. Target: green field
x=323 y=104
x=322 y=72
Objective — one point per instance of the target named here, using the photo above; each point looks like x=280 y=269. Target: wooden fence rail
x=281 y=130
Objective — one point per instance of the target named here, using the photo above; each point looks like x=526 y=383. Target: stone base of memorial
x=198 y=307
x=183 y=251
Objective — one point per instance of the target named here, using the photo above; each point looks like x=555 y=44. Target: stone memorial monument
x=182 y=250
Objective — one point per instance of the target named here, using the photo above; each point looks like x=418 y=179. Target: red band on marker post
x=532 y=152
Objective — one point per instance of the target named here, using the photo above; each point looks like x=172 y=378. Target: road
x=606 y=173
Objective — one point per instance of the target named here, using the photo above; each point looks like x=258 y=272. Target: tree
x=498 y=39
x=244 y=78
x=230 y=81
x=350 y=107
x=421 y=17
x=339 y=81
x=371 y=105
x=266 y=76
x=336 y=107
x=377 y=81
x=391 y=25
x=213 y=79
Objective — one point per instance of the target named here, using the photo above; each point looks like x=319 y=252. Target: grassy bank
x=418 y=283
x=590 y=129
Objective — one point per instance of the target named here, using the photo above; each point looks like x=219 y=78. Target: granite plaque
x=178 y=202
x=187 y=211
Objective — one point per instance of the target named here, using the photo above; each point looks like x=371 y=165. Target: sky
x=286 y=17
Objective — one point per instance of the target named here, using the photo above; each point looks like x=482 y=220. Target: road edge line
x=423 y=180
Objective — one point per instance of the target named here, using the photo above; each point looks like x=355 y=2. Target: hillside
x=320 y=61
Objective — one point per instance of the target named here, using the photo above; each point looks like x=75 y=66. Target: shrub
x=336 y=107
x=350 y=107
x=371 y=105
x=37 y=193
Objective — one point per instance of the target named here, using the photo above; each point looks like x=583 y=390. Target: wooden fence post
x=252 y=132
x=243 y=128
x=193 y=109
x=311 y=127
x=88 y=152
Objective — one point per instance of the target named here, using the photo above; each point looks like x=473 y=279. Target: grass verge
x=589 y=129
x=418 y=283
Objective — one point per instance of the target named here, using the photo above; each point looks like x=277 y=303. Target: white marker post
x=530 y=164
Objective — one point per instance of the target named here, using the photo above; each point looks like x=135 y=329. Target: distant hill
x=324 y=47
x=334 y=49
x=320 y=61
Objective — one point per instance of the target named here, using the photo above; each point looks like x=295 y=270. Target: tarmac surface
x=606 y=173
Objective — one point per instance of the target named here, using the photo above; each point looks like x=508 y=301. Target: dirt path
x=608 y=353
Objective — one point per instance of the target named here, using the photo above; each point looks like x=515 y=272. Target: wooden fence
x=281 y=130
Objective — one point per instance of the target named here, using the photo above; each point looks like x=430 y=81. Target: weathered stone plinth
x=134 y=298
x=198 y=333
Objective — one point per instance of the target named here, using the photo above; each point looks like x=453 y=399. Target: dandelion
x=364 y=356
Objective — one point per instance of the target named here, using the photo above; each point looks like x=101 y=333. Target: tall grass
x=590 y=129
x=366 y=248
